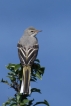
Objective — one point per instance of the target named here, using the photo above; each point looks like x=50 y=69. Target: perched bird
x=27 y=52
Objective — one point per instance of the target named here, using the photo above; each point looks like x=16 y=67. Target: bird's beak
x=38 y=31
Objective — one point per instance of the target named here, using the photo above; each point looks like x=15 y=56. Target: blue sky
x=54 y=18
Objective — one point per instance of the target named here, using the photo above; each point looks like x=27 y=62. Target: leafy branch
x=15 y=76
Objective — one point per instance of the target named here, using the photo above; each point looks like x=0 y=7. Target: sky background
x=54 y=18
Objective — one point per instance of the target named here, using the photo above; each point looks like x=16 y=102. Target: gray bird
x=27 y=52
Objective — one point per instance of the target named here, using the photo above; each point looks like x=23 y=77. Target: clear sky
x=54 y=18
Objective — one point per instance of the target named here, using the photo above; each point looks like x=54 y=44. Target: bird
x=27 y=51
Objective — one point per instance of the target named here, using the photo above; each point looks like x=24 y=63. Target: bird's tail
x=25 y=86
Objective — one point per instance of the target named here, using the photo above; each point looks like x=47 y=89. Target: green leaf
x=41 y=70
x=5 y=81
x=10 y=102
x=12 y=99
x=17 y=66
x=12 y=74
x=35 y=90
x=25 y=101
x=13 y=104
x=9 y=66
x=42 y=102
x=6 y=103
x=46 y=102
x=30 y=102
x=13 y=67
x=37 y=60
x=22 y=104
x=18 y=97
x=33 y=78
x=12 y=78
x=38 y=75
x=3 y=104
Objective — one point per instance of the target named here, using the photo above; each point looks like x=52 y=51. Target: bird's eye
x=32 y=31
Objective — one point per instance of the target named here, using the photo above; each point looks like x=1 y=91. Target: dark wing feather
x=27 y=56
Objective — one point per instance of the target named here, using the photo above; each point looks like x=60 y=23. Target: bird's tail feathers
x=25 y=86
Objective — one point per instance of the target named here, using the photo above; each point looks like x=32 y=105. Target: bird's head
x=31 y=31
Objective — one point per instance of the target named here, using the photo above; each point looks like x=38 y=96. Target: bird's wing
x=27 y=55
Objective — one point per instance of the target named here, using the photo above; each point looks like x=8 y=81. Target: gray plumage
x=27 y=51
